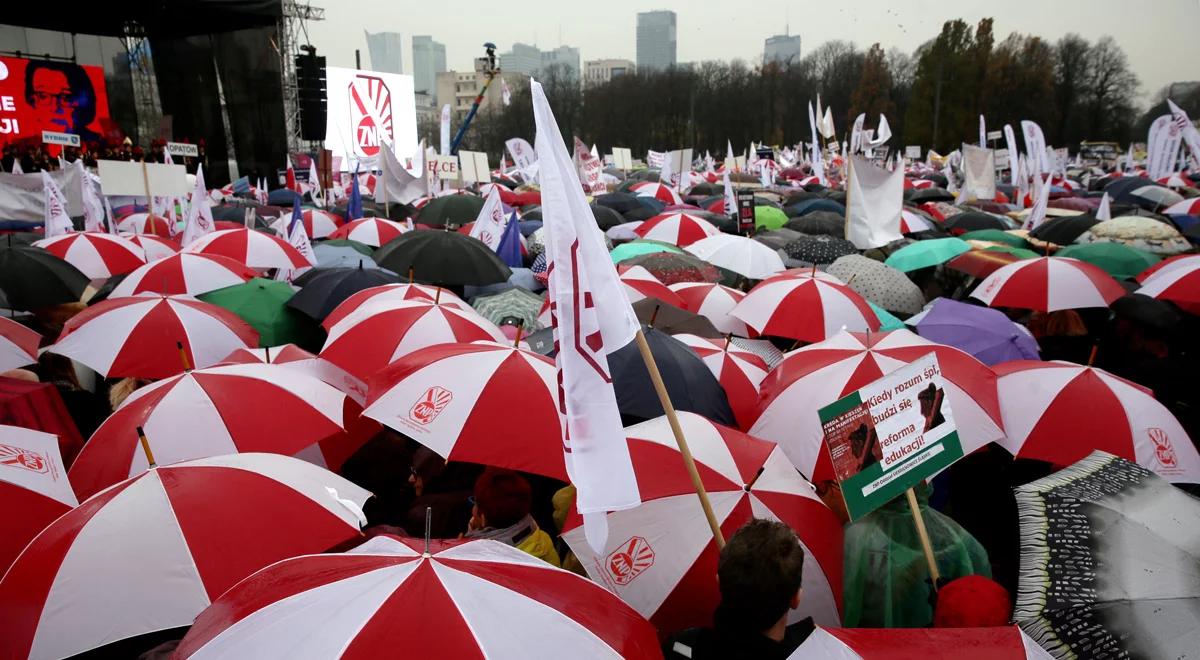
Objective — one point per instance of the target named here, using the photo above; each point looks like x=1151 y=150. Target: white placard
x=118 y=177
x=184 y=149
x=474 y=167
x=367 y=109
x=442 y=167
x=995 y=135
x=64 y=139
x=913 y=151
x=738 y=163
x=622 y=158
x=1002 y=159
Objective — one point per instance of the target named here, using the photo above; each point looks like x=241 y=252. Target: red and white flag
x=199 y=218
x=489 y=224
x=1191 y=136
x=56 y=220
x=291 y=176
x=314 y=184
x=592 y=318
x=731 y=206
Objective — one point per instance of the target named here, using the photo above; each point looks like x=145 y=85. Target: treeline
x=1076 y=89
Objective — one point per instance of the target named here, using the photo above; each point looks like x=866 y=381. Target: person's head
x=502 y=498
x=61 y=95
x=972 y=601
x=858 y=439
x=759 y=573
x=426 y=466
x=927 y=397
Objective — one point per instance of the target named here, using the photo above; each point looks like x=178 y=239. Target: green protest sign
x=886 y=437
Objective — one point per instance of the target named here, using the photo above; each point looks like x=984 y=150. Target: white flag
x=199 y=220
x=827 y=124
x=882 y=134
x=394 y=183
x=505 y=94
x=731 y=207
x=93 y=208
x=16 y=168
x=1191 y=136
x=56 y=220
x=445 y=130
x=979 y=174
x=1104 y=212
x=1010 y=139
x=1037 y=214
x=314 y=183
x=523 y=155
x=490 y=223
x=32 y=462
x=592 y=318
x=874 y=198
x=1035 y=146
x=982 y=133
x=856 y=134
x=1162 y=143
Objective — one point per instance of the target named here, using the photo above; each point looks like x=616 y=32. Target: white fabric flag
x=1037 y=214
x=982 y=133
x=32 y=461
x=394 y=183
x=1104 y=212
x=1162 y=143
x=1022 y=179
x=314 y=183
x=523 y=155
x=56 y=220
x=93 y=208
x=1035 y=146
x=731 y=207
x=445 y=130
x=111 y=217
x=979 y=173
x=856 y=134
x=592 y=318
x=1191 y=136
x=490 y=223
x=827 y=124
x=16 y=168
x=730 y=157
x=766 y=176
x=818 y=165
x=1010 y=139
x=874 y=199
x=505 y=94
x=882 y=134
x=199 y=220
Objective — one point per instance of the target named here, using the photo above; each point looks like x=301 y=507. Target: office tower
x=655 y=40
x=385 y=51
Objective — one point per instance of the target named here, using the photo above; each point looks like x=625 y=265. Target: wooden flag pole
x=926 y=546
x=688 y=462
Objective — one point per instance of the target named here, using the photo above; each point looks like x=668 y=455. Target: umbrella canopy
x=902 y=643
x=323 y=289
x=378 y=332
x=817 y=375
x=677 y=228
x=370 y=231
x=153 y=551
x=661 y=557
x=150 y=336
x=925 y=254
x=342 y=253
x=671 y=268
x=393 y=293
x=745 y=256
x=689 y=382
x=1108 y=562
x=318 y=223
x=621 y=202
x=1117 y=259
x=1063 y=230
x=183 y=274
x=95 y=254
x=714 y=302
x=144 y=223
x=820 y=222
x=820 y=249
x=626 y=231
x=32 y=487
x=450 y=210
x=878 y=283
x=987 y=334
x=445 y=257
x=1138 y=232
x=814 y=205
x=518 y=303
x=671 y=319
x=640 y=247
x=1143 y=193
x=18 y=345
x=264 y=305
x=804 y=308
x=483 y=598
x=31 y=278
x=981 y=263
x=252 y=248
x=1177 y=281
x=481 y=402
x=1186 y=207
x=640 y=284
x=931 y=194
x=1060 y=412
x=1048 y=284
x=912 y=222
x=973 y=221
x=210 y=412
x=739 y=372
x=154 y=247
x=769 y=217
x=606 y=217
x=995 y=236
x=655 y=190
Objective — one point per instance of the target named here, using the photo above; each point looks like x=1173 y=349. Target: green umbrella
x=1117 y=259
x=347 y=243
x=1015 y=251
x=263 y=304
x=996 y=236
x=456 y=210
x=639 y=247
x=515 y=302
x=769 y=217
x=924 y=254
x=887 y=321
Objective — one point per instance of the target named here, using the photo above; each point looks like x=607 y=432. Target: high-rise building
x=386 y=51
x=429 y=59
x=655 y=40
x=598 y=72
x=782 y=48
x=530 y=60
x=563 y=56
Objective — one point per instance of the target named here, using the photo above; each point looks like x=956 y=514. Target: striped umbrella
x=657 y=191
x=155 y=247
x=18 y=345
x=739 y=372
x=318 y=223
x=252 y=248
x=640 y=284
x=393 y=293
x=714 y=302
x=677 y=228
x=804 y=308
x=183 y=273
x=33 y=487
x=95 y=254
x=1048 y=284
x=370 y=231
x=144 y=223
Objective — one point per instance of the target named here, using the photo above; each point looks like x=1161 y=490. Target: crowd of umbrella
x=210 y=496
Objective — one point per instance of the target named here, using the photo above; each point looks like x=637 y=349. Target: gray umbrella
x=879 y=283
x=819 y=222
x=819 y=249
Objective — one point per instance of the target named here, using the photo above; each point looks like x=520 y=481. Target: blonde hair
x=122 y=389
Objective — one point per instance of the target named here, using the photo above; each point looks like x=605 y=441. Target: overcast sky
x=1160 y=37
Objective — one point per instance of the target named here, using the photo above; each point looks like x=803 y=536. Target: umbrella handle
x=187 y=365
x=146 y=447
x=517 y=341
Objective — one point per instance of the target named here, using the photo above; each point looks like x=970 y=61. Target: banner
x=675 y=165
x=654 y=159
x=54 y=97
x=1162 y=145
x=1010 y=139
x=367 y=109
x=473 y=165
x=1191 y=136
x=21 y=195
x=1035 y=146
x=888 y=436
x=874 y=198
x=589 y=168
x=523 y=155
x=979 y=173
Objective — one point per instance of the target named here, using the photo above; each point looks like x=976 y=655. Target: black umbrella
x=689 y=382
x=719 y=220
x=973 y=221
x=1063 y=230
x=447 y=258
x=673 y=320
x=451 y=210
x=819 y=249
x=32 y=277
x=106 y=289
x=934 y=194
x=706 y=188
x=838 y=196
x=531 y=213
x=606 y=217
x=368 y=207
x=777 y=238
x=937 y=179
x=618 y=201
x=819 y=222
x=323 y=289
x=1150 y=312
x=640 y=213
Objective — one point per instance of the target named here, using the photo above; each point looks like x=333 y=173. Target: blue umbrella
x=354 y=209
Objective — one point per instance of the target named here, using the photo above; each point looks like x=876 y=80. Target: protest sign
x=622 y=158
x=62 y=139
x=183 y=149
x=443 y=167
x=118 y=177
x=474 y=167
x=886 y=437
x=913 y=152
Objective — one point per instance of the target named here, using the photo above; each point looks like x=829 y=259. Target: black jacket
x=724 y=643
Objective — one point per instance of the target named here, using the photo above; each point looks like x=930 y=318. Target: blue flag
x=354 y=207
x=297 y=216
x=509 y=248
x=241 y=186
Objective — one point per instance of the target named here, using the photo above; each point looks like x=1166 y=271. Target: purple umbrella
x=981 y=331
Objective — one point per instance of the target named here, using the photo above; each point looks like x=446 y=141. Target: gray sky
x=1158 y=36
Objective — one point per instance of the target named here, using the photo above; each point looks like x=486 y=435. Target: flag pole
x=688 y=462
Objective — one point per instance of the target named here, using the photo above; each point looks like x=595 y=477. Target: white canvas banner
x=874 y=198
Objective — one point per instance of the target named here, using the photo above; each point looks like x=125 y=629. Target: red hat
x=972 y=602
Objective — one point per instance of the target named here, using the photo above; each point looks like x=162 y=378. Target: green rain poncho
x=886 y=575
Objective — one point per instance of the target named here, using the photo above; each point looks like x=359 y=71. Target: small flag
x=56 y=221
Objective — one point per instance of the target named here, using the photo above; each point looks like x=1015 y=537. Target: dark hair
x=760 y=571
x=81 y=86
x=504 y=497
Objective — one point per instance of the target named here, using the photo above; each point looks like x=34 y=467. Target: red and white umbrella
x=140 y=336
x=918 y=184
x=184 y=274
x=1187 y=262
x=661 y=557
x=95 y=254
x=713 y=302
x=1060 y=412
x=33 y=487
x=657 y=191
x=1186 y=207
x=155 y=247
x=380 y=332
x=252 y=248
x=318 y=223
x=1048 y=284
x=817 y=375
x=151 y=552
x=745 y=256
x=739 y=372
x=911 y=222
x=677 y=228
x=987 y=643
x=804 y=308
x=389 y=597
x=292 y=356
x=18 y=345
x=459 y=400
x=370 y=231
x=394 y=293
x=144 y=223
x=210 y=412
x=641 y=283
x=1176 y=180
x=1177 y=281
